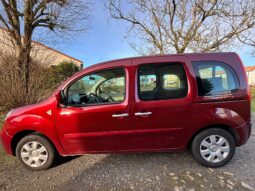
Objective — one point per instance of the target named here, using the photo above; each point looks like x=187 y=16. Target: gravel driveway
x=152 y=171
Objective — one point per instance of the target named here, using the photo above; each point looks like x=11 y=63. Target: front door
x=98 y=113
x=163 y=101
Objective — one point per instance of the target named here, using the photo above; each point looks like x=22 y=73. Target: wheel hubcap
x=34 y=154
x=214 y=148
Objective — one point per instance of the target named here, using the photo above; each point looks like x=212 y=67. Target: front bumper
x=5 y=140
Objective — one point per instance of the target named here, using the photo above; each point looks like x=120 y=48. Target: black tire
x=43 y=141
x=195 y=148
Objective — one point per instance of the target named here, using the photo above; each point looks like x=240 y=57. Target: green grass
x=253 y=99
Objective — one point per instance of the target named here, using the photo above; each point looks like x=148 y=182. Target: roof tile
x=249 y=68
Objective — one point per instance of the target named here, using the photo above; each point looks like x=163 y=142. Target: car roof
x=217 y=56
x=191 y=56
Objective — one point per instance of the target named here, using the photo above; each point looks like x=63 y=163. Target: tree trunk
x=24 y=65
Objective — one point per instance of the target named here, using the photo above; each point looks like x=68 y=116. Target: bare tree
x=248 y=39
x=12 y=91
x=168 y=26
x=21 y=19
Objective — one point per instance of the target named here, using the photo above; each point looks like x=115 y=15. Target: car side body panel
x=79 y=130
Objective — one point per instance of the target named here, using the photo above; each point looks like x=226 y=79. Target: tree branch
x=4 y=22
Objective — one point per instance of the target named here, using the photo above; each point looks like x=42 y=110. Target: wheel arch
x=229 y=129
x=18 y=136
x=23 y=125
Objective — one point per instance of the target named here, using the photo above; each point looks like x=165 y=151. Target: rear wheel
x=35 y=152
x=213 y=147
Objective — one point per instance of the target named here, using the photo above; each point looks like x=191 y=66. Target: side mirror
x=61 y=98
x=92 y=78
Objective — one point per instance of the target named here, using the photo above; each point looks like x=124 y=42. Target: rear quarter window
x=215 y=78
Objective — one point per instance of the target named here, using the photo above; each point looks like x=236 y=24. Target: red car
x=199 y=102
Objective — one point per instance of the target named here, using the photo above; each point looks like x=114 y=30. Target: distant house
x=250 y=71
x=40 y=52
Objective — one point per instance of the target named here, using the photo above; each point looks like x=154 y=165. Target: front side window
x=162 y=81
x=97 y=88
x=215 y=78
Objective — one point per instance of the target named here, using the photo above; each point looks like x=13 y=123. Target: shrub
x=12 y=91
x=42 y=81
x=61 y=72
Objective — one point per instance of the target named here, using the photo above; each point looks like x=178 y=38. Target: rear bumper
x=244 y=132
x=5 y=140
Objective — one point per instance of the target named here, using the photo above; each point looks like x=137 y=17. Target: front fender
x=34 y=123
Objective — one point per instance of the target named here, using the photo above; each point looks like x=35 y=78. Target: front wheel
x=35 y=152
x=213 y=147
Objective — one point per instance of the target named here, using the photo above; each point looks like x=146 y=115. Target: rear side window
x=147 y=82
x=162 y=81
x=215 y=78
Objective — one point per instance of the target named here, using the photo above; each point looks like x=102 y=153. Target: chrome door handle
x=143 y=113
x=120 y=115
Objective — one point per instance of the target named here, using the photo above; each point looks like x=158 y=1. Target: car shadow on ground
x=64 y=160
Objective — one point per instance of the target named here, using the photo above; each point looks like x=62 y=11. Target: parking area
x=150 y=171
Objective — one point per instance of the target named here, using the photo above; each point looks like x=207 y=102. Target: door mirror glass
x=92 y=78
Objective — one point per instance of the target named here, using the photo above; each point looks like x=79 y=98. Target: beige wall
x=251 y=77
x=41 y=53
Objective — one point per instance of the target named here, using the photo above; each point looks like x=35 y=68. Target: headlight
x=8 y=114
